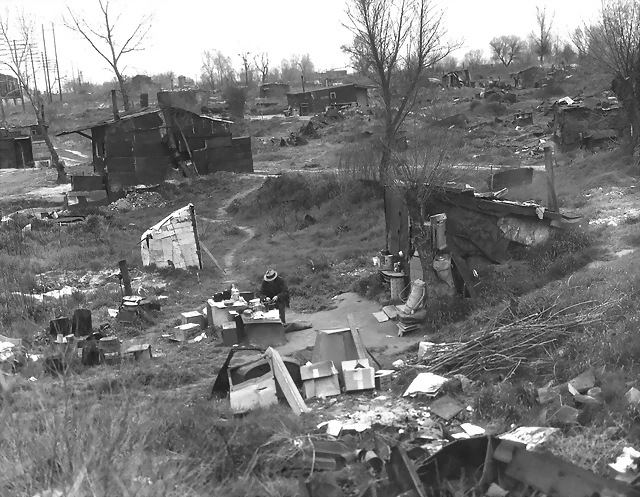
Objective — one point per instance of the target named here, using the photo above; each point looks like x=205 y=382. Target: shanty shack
x=475 y=226
x=578 y=125
x=274 y=90
x=142 y=148
x=531 y=77
x=456 y=78
x=17 y=147
x=173 y=242
x=310 y=102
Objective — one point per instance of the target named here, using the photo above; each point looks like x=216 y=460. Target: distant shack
x=310 y=102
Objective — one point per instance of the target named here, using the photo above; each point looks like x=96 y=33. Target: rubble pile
x=138 y=200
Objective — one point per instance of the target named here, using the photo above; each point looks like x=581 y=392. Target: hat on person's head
x=270 y=275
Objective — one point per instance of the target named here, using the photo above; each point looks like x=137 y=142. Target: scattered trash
x=446 y=408
x=633 y=396
x=398 y=364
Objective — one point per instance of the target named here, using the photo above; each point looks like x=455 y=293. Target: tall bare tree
x=208 y=74
x=612 y=44
x=222 y=63
x=506 y=48
x=474 y=58
x=400 y=39
x=246 y=65
x=104 y=39
x=261 y=62
x=304 y=63
x=542 y=37
x=18 y=62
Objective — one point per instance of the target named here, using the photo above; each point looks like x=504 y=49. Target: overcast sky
x=182 y=29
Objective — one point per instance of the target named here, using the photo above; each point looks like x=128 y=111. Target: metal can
x=396 y=267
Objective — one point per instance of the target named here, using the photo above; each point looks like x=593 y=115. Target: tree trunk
x=385 y=160
x=126 y=105
x=38 y=109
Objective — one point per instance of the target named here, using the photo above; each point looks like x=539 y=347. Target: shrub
x=236 y=100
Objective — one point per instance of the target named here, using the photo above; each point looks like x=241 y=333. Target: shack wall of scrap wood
x=477 y=224
x=319 y=100
x=143 y=148
x=173 y=241
x=577 y=126
x=16 y=148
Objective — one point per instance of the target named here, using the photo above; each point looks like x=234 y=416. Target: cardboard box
x=184 y=332
x=229 y=334
x=320 y=380
x=193 y=317
x=358 y=375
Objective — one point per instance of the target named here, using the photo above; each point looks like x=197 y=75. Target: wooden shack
x=142 y=148
x=16 y=148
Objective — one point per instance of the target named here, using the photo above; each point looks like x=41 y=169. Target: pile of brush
x=530 y=341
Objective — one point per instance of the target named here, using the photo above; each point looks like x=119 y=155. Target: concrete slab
x=374 y=334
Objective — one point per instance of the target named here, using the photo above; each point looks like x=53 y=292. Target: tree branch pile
x=528 y=341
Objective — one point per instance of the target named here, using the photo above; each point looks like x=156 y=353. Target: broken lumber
x=285 y=381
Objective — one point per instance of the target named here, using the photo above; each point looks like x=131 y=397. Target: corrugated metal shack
x=142 y=148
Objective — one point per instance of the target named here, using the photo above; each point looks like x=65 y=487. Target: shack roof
x=330 y=88
x=127 y=117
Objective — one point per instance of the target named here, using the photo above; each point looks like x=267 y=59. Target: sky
x=183 y=29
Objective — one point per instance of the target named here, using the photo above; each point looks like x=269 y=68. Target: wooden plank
x=361 y=350
x=556 y=477
x=465 y=273
x=206 y=251
x=285 y=381
x=552 y=199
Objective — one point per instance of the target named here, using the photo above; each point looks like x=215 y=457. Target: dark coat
x=276 y=287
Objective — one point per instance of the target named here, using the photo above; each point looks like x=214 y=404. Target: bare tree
x=18 y=62
x=400 y=39
x=102 y=39
x=261 y=62
x=226 y=74
x=416 y=176
x=506 y=48
x=246 y=65
x=305 y=65
x=449 y=63
x=474 y=58
x=612 y=44
x=542 y=37
x=208 y=76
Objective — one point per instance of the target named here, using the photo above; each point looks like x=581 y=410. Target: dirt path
x=229 y=258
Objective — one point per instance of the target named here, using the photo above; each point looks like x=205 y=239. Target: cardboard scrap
x=285 y=381
x=446 y=408
x=426 y=383
x=531 y=436
x=381 y=317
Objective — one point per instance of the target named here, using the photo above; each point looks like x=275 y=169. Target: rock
x=633 y=396
x=584 y=381
x=548 y=394
x=567 y=415
x=595 y=392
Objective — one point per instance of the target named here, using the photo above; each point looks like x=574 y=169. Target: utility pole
x=46 y=78
x=46 y=63
x=33 y=69
x=55 y=50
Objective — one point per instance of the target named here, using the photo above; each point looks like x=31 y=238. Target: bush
x=236 y=99
x=496 y=108
x=474 y=105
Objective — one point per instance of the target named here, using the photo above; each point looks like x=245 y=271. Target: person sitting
x=274 y=292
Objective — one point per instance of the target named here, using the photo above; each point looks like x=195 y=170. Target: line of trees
x=218 y=71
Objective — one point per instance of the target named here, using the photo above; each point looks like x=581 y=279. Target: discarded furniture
x=320 y=380
x=248 y=393
x=81 y=325
x=261 y=332
x=257 y=392
x=109 y=348
x=523 y=118
x=60 y=326
x=193 y=317
x=186 y=331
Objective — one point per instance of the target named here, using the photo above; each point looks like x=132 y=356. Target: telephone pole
x=46 y=63
x=55 y=51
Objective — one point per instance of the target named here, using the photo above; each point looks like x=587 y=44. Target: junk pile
x=340 y=363
x=395 y=465
x=60 y=217
x=75 y=341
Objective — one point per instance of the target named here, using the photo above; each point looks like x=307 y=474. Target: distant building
x=456 y=78
x=310 y=102
x=8 y=86
x=274 y=90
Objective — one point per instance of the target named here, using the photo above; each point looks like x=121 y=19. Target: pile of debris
x=136 y=199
